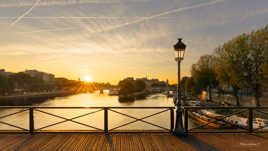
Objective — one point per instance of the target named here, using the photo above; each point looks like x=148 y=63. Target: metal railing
x=216 y=124
x=106 y=110
x=222 y=122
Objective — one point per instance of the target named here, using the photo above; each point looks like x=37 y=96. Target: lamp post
x=179 y=48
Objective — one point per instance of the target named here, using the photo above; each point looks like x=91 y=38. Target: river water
x=42 y=119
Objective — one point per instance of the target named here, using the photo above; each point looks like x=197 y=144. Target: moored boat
x=113 y=92
x=211 y=122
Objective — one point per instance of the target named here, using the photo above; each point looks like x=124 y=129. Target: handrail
x=243 y=109
x=136 y=107
x=222 y=107
x=90 y=107
x=108 y=109
x=33 y=109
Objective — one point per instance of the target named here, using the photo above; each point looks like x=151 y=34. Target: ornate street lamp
x=179 y=50
x=179 y=55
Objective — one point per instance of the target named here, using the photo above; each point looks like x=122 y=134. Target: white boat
x=113 y=92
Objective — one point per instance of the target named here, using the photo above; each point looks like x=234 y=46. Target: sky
x=109 y=40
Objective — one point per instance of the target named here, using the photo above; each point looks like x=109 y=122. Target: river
x=97 y=119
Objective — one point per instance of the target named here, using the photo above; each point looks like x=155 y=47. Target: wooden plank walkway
x=133 y=142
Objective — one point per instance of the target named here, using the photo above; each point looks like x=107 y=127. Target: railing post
x=250 y=120
x=171 y=119
x=106 y=120
x=31 y=120
x=186 y=121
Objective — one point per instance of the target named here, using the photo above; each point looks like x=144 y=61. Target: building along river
x=96 y=119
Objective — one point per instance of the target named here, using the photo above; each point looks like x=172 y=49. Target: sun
x=87 y=79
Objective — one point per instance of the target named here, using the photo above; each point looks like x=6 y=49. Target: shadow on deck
x=133 y=142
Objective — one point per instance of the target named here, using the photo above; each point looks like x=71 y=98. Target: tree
x=5 y=85
x=126 y=87
x=28 y=83
x=265 y=68
x=139 y=85
x=204 y=75
x=243 y=61
x=190 y=86
x=227 y=65
x=257 y=58
x=265 y=71
x=183 y=85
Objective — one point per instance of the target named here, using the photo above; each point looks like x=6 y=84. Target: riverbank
x=244 y=100
x=29 y=99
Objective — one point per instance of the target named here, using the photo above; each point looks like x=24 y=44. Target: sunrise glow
x=87 y=79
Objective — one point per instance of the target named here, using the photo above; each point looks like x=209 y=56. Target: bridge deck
x=133 y=142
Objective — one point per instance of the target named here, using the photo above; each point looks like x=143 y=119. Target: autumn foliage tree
x=243 y=61
x=204 y=75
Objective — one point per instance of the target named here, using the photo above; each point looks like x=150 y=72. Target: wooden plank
x=133 y=142
x=161 y=143
x=147 y=142
x=175 y=144
x=36 y=142
x=70 y=143
x=98 y=145
x=116 y=142
x=137 y=142
x=91 y=140
x=10 y=142
x=236 y=141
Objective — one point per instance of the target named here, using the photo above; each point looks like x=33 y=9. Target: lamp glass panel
x=179 y=54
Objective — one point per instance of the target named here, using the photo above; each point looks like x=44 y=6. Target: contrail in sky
x=163 y=14
x=46 y=30
x=142 y=19
x=26 y=13
x=65 y=2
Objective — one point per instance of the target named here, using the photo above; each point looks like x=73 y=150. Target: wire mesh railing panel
x=68 y=119
x=260 y=120
x=139 y=119
x=10 y=119
x=85 y=119
x=146 y=119
x=217 y=120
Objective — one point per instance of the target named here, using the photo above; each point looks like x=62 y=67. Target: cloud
x=26 y=13
x=128 y=23
x=81 y=43
x=254 y=13
x=164 y=13
x=65 y=2
x=14 y=53
x=46 y=30
x=78 y=17
x=142 y=19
